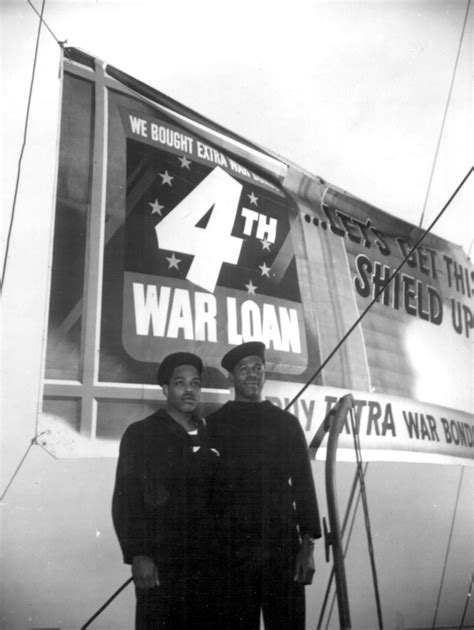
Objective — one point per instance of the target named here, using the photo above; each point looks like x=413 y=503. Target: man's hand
x=144 y=572
x=304 y=569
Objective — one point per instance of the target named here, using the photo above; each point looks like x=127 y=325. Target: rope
x=448 y=547
x=61 y=44
x=365 y=506
x=32 y=443
x=104 y=606
x=46 y=24
x=379 y=293
x=10 y=227
x=444 y=116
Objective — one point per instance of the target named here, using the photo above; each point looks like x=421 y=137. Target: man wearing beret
x=161 y=509
x=269 y=513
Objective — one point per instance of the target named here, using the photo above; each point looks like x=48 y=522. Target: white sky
x=354 y=92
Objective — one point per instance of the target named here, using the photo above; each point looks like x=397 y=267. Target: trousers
x=184 y=600
x=258 y=583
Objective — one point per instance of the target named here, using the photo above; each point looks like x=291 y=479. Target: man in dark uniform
x=161 y=509
x=269 y=515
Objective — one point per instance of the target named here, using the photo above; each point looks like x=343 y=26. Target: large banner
x=173 y=234
x=202 y=254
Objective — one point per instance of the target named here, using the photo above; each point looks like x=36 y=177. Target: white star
x=185 y=163
x=253 y=198
x=173 y=261
x=265 y=244
x=156 y=207
x=251 y=288
x=166 y=178
x=265 y=270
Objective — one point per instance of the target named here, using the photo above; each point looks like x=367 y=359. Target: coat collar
x=163 y=417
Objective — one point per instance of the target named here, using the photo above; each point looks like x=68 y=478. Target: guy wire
x=379 y=293
x=444 y=116
x=10 y=227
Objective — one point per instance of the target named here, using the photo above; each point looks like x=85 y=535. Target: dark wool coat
x=161 y=501
x=267 y=491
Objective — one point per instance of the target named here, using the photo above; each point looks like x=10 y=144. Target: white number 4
x=213 y=245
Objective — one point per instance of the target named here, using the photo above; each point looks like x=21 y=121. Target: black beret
x=172 y=361
x=251 y=348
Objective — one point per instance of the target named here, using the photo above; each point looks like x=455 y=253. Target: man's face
x=248 y=377
x=183 y=392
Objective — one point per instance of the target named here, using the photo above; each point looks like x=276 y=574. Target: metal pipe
x=335 y=538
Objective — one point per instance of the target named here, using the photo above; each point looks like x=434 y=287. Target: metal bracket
x=328 y=539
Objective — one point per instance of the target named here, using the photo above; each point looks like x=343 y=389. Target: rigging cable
x=61 y=44
x=343 y=339
x=10 y=227
x=445 y=115
x=448 y=547
x=380 y=291
x=365 y=505
x=34 y=440
x=105 y=604
x=42 y=21
x=40 y=15
x=17 y=469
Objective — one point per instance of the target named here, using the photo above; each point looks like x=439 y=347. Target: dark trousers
x=259 y=581
x=183 y=601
